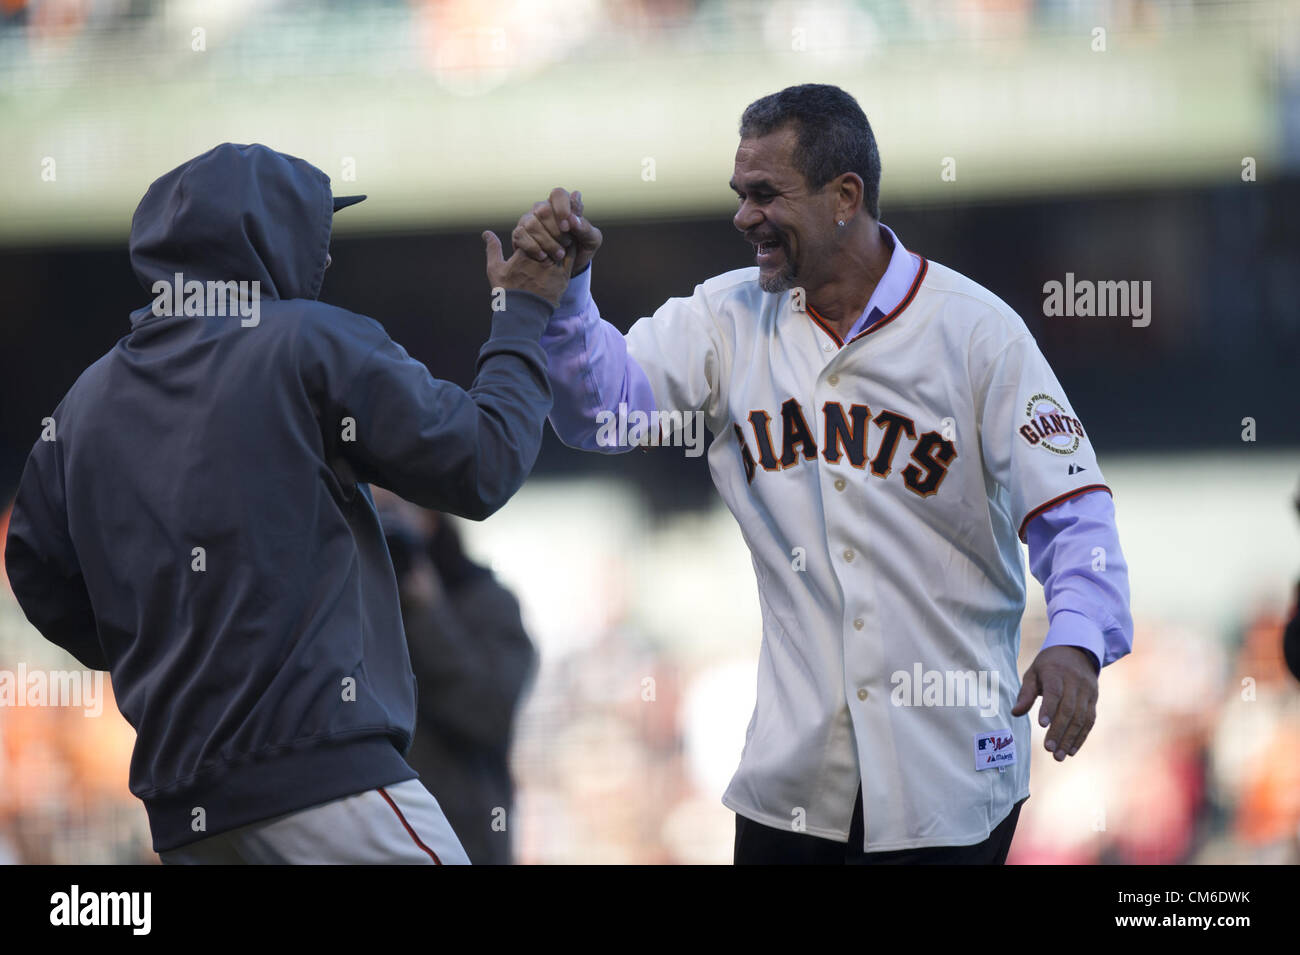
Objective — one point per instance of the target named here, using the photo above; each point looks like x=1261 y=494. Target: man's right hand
x=555 y=228
x=523 y=273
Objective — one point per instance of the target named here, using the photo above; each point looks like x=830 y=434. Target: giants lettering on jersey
x=846 y=436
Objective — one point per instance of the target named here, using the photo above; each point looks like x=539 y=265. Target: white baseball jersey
x=882 y=486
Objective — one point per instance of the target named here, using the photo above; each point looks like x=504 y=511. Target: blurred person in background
x=473 y=662
x=1291 y=636
x=1291 y=633
x=1258 y=744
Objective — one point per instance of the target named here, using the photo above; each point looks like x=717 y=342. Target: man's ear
x=849 y=190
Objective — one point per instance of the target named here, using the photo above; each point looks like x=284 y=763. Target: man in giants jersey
x=887 y=434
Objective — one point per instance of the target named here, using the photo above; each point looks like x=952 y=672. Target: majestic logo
x=845 y=434
x=1051 y=426
x=994 y=750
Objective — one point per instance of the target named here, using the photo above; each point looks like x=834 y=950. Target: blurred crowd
x=1195 y=757
x=616 y=754
x=670 y=22
x=63 y=771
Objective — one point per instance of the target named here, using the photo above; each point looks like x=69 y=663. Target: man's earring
x=841 y=223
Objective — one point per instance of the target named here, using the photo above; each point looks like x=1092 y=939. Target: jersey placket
x=843 y=492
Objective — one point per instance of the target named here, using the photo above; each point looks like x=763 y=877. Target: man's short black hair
x=833 y=135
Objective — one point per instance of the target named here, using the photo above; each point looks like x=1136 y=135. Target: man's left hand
x=1066 y=679
x=555 y=227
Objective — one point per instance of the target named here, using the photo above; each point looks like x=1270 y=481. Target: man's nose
x=747 y=216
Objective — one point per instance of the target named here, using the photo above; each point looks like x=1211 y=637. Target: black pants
x=757 y=844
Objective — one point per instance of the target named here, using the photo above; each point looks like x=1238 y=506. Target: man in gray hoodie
x=195 y=518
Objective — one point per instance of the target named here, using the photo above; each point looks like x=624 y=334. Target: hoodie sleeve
x=42 y=565
x=439 y=446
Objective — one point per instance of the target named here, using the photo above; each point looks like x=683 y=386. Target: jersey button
x=840 y=484
x=848 y=555
x=833 y=380
x=828 y=347
x=862 y=694
x=858 y=624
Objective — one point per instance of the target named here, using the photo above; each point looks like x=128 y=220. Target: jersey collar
x=893 y=292
x=892 y=287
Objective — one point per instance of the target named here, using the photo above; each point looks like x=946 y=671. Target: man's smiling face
x=790 y=225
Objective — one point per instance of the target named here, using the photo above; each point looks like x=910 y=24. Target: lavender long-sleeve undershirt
x=590 y=367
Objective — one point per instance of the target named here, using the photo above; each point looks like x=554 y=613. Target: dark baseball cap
x=342 y=202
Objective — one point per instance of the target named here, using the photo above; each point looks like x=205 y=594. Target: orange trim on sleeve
x=1057 y=500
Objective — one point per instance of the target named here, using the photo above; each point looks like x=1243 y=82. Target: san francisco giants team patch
x=994 y=749
x=1051 y=426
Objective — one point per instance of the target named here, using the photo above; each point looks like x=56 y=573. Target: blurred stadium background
x=1164 y=148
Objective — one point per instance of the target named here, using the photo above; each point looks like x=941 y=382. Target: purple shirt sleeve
x=1074 y=552
x=590 y=369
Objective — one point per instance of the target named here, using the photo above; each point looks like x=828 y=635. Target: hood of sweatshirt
x=239 y=213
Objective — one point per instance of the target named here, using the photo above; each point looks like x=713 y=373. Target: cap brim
x=342 y=202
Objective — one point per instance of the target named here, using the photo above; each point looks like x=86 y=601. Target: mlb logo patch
x=995 y=749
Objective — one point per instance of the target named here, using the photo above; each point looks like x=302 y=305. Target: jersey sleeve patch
x=1033 y=442
x=1050 y=426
